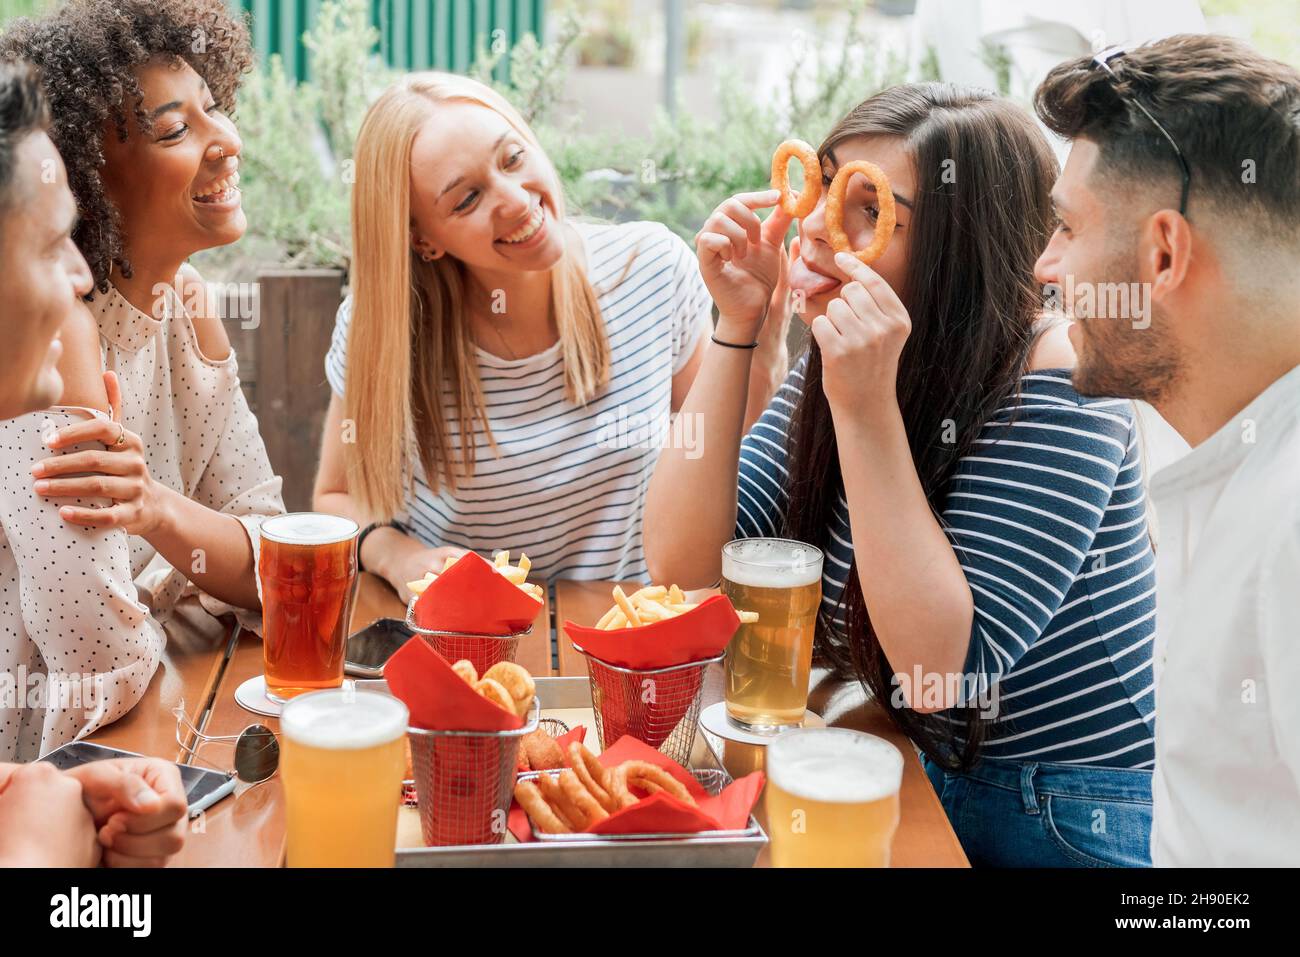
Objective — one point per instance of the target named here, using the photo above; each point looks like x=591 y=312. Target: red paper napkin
x=659 y=813
x=700 y=633
x=438 y=698
x=473 y=597
x=624 y=701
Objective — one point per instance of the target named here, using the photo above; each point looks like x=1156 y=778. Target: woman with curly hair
x=139 y=94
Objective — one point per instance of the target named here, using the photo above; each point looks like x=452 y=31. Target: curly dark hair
x=87 y=52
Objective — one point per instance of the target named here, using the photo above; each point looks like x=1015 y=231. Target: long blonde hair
x=409 y=334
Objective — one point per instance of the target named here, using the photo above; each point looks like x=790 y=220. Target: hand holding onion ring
x=812 y=187
x=812 y=177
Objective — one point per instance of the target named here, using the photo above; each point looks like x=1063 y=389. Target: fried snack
x=543 y=752
x=494 y=692
x=812 y=177
x=647 y=777
x=518 y=683
x=517 y=575
x=538 y=810
x=466 y=671
x=549 y=787
x=592 y=774
x=650 y=604
x=835 y=210
x=580 y=799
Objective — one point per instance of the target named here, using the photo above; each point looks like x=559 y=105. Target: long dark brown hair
x=981 y=216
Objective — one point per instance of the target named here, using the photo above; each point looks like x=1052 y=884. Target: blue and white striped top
x=1047 y=516
x=568 y=483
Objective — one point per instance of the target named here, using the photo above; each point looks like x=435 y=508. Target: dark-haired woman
x=139 y=108
x=988 y=573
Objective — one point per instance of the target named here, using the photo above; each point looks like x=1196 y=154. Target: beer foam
x=309 y=528
x=771 y=563
x=342 y=719
x=834 y=765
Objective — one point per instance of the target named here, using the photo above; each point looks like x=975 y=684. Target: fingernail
x=42 y=487
x=145 y=798
x=38 y=468
x=842 y=259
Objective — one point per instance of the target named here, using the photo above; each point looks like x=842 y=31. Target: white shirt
x=1227 y=777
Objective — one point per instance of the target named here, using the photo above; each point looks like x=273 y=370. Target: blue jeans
x=1032 y=814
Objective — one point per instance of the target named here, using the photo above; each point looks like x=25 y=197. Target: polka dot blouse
x=99 y=601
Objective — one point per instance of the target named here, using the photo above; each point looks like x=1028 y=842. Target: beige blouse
x=96 y=602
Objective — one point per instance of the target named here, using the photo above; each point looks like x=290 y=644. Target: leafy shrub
x=298 y=137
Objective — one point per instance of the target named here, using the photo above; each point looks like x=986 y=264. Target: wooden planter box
x=281 y=352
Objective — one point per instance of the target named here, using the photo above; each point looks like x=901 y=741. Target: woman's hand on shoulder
x=118 y=472
x=743 y=260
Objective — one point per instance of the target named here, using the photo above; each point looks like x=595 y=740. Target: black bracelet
x=370 y=528
x=734 y=345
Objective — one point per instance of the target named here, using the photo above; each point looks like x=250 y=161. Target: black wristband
x=367 y=530
x=734 y=345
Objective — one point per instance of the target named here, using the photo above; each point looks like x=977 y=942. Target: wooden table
x=924 y=838
x=247 y=829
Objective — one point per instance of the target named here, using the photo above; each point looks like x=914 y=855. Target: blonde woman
x=503 y=376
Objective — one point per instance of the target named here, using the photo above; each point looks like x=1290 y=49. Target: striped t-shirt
x=568 y=482
x=1047 y=516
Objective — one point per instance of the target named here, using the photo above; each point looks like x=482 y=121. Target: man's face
x=1123 y=340
x=42 y=276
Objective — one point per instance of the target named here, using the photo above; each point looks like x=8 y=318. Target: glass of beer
x=768 y=662
x=308 y=570
x=832 y=798
x=343 y=754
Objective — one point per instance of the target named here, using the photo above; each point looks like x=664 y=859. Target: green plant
x=298 y=137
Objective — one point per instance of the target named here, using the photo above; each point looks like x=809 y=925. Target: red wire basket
x=482 y=651
x=465 y=781
x=660 y=706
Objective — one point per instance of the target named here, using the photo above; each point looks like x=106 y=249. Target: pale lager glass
x=343 y=754
x=832 y=798
x=768 y=662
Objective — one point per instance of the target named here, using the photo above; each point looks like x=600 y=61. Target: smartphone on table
x=203 y=786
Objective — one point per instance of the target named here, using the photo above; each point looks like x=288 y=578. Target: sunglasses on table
x=257 y=750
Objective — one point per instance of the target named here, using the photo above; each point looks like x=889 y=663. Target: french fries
x=515 y=574
x=650 y=604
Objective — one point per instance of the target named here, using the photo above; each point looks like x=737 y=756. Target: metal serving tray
x=712 y=849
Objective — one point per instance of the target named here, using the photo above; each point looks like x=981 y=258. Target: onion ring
x=539 y=812
x=835 y=211
x=554 y=797
x=517 y=681
x=494 y=692
x=592 y=774
x=647 y=777
x=812 y=177
x=582 y=800
x=465 y=669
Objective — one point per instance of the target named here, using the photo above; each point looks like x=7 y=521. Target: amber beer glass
x=308 y=571
x=768 y=662
x=343 y=756
x=832 y=798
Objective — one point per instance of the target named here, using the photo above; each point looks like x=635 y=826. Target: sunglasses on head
x=1102 y=60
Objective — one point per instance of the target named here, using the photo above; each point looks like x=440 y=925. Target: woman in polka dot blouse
x=177 y=463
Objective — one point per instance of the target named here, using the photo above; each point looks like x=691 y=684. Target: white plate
x=714 y=720
x=251 y=696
